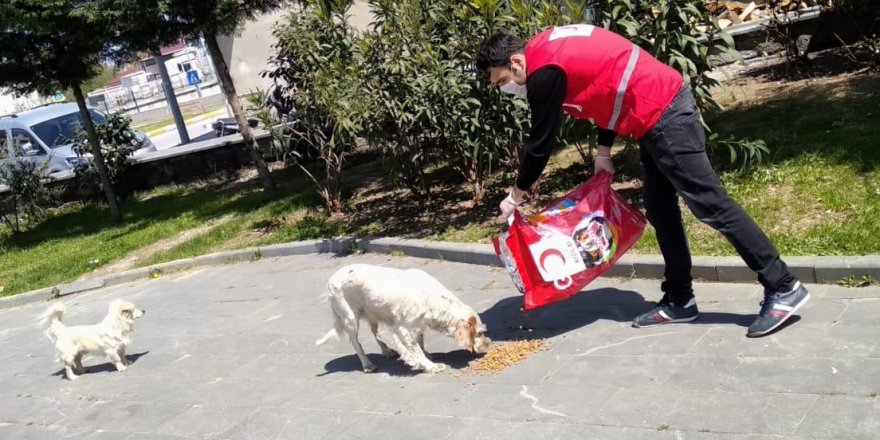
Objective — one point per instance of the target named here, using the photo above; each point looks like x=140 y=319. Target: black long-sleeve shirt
x=546 y=92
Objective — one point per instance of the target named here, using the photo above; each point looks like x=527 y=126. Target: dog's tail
x=334 y=332
x=52 y=317
x=337 y=301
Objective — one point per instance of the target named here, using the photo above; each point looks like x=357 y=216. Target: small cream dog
x=406 y=302
x=108 y=338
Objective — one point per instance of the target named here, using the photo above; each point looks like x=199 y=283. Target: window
x=23 y=144
x=61 y=130
x=184 y=67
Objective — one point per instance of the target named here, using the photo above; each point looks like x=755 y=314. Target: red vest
x=609 y=79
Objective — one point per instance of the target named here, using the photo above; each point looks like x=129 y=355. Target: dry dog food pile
x=504 y=355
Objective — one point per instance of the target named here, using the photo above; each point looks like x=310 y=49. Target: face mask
x=514 y=89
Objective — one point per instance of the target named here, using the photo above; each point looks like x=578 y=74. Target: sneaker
x=667 y=312
x=776 y=308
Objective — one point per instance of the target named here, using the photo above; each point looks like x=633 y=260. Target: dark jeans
x=674 y=160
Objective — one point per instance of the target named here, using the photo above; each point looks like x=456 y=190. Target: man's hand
x=603 y=162
x=509 y=204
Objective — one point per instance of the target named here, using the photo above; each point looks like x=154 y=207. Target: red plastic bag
x=555 y=253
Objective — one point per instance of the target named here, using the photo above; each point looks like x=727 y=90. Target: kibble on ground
x=502 y=356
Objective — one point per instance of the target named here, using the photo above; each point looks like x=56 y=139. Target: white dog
x=406 y=302
x=108 y=338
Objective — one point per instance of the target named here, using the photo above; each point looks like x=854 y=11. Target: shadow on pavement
x=192 y=140
x=505 y=322
x=455 y=360
x=106 y=367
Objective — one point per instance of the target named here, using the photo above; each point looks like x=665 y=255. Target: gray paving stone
x=741 y=412
x=209 y=421
x=42 y=432
x=125 y=416
x=714 y=373
x=842 y=417
x=624 y=340
x=121 y=435
x=228 y=352
x=716 y=411
x=807 y=376
x=795 y=341
x=372 y=426
x=859 y=312
x=830 y=291
x=612 y=371
x=312 y=424
x=708 y=435
x=644 y=406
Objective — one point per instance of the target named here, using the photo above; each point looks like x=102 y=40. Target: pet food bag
x=555 y=253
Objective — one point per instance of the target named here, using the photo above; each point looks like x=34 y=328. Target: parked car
x=43 y=136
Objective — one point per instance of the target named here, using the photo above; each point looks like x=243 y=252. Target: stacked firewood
x=731 y=13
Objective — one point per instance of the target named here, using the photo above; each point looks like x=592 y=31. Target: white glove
x=603 y=163
x=507 y=206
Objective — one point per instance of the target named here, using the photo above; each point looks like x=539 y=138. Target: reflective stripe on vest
x=621 y=87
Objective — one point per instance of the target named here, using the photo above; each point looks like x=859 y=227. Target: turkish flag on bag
x=555 y=253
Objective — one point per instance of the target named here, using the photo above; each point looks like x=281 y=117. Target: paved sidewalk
x=227 y=352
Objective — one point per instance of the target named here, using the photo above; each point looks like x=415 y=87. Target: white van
x=43 y=135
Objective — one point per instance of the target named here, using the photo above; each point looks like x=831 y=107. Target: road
x=198 y=131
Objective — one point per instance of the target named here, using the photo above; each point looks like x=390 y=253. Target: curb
x=821 y=270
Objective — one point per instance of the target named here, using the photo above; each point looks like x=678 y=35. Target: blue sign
x=58 y=97
x=192 y=77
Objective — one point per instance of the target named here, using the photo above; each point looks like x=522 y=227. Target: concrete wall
x=247 y=54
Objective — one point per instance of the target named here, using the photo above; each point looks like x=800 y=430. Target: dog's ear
x=126 y=312
x=465 y=332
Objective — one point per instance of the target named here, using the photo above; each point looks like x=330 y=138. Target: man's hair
x=496 y=51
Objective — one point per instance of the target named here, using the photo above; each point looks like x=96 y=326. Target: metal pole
x=171 y=98
x=133 y=98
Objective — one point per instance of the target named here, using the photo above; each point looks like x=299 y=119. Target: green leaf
x=728 y=40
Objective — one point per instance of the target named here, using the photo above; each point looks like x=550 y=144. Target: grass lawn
x=818 y=193
x=75 y=241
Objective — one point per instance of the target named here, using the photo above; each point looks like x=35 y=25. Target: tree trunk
x=98 y=157
x=232 y=98
x=476 y=181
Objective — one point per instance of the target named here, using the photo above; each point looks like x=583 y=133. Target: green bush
x=427 y=105
x=118 y=142
x=315 y=60
x=23 y=204
x=408 y=84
